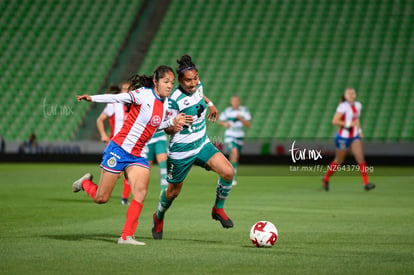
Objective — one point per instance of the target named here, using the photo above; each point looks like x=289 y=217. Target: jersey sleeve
x=173 y=108
x=112 y=98
x=359 y=107
x=223 y=116
x=137 y=96
x=109 y=110
x=246 y=114
x=341 y=109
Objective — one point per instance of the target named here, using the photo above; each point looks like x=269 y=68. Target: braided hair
x=185 y=64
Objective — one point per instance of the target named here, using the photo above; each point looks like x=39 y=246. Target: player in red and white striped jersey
x=115 y=113
x=124 y=152
x=348 y=136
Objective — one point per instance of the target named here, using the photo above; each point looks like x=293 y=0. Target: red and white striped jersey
x=116 y=113
x=350 y=112
x=146 y=114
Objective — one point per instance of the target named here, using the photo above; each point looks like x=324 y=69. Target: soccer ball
x=263 y=234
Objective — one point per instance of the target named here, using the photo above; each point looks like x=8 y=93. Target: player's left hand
x=213 y=114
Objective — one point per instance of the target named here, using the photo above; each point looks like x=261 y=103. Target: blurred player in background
x=116 y=114
x=149 y=104
x=234 y=119
x=157 y=150
x=2 y=145
x=192 y=146
x=348 y=136
x=29 y=146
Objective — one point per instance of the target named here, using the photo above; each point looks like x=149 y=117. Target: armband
x=210 y=104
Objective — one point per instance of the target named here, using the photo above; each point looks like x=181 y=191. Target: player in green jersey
x=192 y=146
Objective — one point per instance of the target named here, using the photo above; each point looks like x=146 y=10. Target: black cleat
x=219 y=215
x=124 y=201
x=157 y=227
x=325 y=185
x=369 y=186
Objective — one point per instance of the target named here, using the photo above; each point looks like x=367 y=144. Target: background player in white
x=123 y=153
x=115 y=113
x=192 y=146
x=348 y=136
x=234 y=119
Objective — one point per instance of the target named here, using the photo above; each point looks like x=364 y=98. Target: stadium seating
x=50 y=51
x=290 y=61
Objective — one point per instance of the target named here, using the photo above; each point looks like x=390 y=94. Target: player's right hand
x=105 y=139
x=84 y=97
x=182 y=120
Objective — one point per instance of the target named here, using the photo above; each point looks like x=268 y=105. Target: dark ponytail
x=113 y=89
x=137 y=81
x=185 y=64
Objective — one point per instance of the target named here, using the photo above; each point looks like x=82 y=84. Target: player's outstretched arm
x=224 y=124
x=107 y=98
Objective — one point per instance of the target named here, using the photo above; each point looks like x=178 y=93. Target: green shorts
x=231 y=144
x=156 y=148
x=177 y=169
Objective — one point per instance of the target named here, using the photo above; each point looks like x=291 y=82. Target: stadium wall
x=254 y=152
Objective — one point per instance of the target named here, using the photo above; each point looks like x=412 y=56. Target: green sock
x=222 y=192
x=163 y=174
x=163 y=206
x=234 y=164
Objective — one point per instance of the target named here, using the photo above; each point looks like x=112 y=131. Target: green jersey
x=190 y=140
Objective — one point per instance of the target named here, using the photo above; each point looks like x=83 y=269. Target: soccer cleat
x=325 y=185
x=369 y=186
x=219 y=215
x=129 y=240
x=124 y=201
x=77 y=185
x=157 y=226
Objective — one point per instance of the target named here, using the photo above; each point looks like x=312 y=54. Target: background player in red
x=123 y=153
x=115 y=113
x=348 y=136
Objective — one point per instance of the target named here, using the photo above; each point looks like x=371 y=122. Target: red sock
x=126 y=190
x=90 y=188
x=363 y=170
x=333 y=166
x=134 y=210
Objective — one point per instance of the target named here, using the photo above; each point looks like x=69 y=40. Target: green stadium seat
x=63 y=39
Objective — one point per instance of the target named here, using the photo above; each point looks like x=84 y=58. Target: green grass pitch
x=47 y=229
